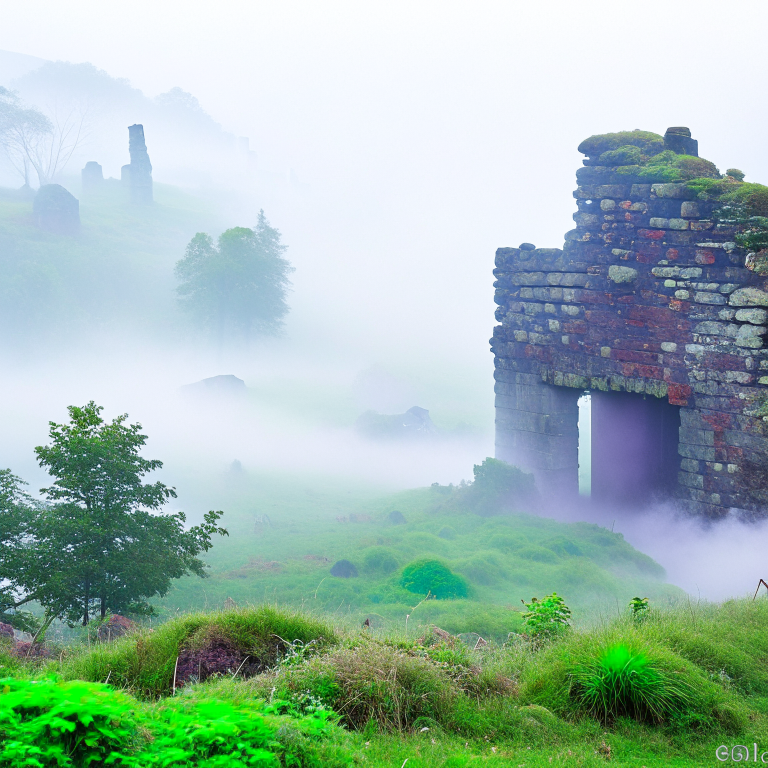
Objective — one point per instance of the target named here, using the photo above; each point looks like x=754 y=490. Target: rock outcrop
x=56 y=210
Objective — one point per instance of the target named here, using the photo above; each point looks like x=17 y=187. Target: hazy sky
x=429 y=133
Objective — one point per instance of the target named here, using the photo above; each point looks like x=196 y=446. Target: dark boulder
x=343 y=569
x=6 y=630
x=56 y=210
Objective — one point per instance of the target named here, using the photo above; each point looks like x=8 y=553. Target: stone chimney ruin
x=137 y=175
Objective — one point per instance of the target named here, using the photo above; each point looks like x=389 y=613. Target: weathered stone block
x=691 y=480
x=690 y=210
x=703 y=297
x=754 y=316
x=619 y=274
x=748 y=297
x=674 y=191
x=750 y=336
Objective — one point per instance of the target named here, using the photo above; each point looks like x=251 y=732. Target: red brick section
x=645 y=298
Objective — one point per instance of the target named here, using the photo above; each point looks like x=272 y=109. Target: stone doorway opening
x=631 y=444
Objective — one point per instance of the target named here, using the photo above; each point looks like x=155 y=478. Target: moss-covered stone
x=627 y=155
x=650 y=143
x=639 y=157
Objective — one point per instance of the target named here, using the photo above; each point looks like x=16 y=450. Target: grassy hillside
x=286 y=688
x=117 y=273
x=287 y=534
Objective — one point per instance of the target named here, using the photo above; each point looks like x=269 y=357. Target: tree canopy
x=236 y=287
x=31 y=139
x=102 y=542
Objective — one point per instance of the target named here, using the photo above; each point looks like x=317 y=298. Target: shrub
x=372 y=681
x=639 y=607
x=627 y=155
x=537 y=554
x=52 y=724
x=622 y=682
x=498 y=487
x=380 y=560
x=562 y=546
x=547 y=617
x=484 y=568
x=344 y=569
x=424 y=577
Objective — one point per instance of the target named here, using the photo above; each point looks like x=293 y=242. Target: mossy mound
x=431 y=577
x=639 y=157
x=380 y=560
x=146 y=661
x=647 y=142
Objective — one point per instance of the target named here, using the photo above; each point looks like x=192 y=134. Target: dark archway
x=634 y=447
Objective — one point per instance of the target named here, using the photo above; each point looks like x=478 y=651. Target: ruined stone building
x=656 y=306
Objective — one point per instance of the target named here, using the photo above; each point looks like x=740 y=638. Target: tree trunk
x=87 y=601
x=103 y=600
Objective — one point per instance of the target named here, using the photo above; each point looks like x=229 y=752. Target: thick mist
x=395 y=147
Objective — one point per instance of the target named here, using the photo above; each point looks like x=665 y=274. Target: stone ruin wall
x=648 y=295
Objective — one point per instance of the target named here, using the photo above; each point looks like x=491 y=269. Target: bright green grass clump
x=623 y=682
x=431 y=577
x=68 y=725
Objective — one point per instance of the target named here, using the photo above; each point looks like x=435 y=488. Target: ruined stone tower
x=137 y=175
x=656 y=305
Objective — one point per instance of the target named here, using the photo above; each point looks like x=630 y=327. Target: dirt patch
x=218 y=657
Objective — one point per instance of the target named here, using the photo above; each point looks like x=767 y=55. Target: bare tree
x=32 y=139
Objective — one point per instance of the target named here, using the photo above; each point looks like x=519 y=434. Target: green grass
x=145 y=663
x=503 y=560
x=438 y=702
x=117 y=271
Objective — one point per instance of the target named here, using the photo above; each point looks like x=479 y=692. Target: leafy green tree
x=103 y=542
x=31 y=139
x=16 y=512
x=236 y=287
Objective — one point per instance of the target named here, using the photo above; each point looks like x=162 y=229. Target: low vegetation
x=666 y=689
x=421 y=557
